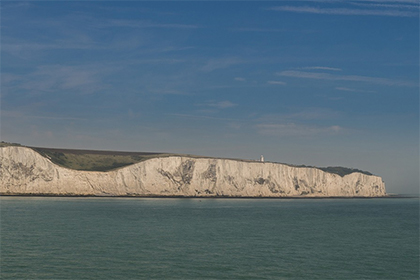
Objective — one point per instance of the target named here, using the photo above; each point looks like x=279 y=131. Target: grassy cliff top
x=95 y=160
x=6 y=144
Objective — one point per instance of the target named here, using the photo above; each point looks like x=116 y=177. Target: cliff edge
x=25 y=172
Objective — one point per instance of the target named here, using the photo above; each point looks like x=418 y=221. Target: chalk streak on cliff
x=24 y=171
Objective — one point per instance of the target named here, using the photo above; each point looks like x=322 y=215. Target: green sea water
x=139 y=238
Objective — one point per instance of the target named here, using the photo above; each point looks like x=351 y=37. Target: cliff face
x=23 y=171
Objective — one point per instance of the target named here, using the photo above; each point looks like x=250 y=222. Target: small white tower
x=262 y=158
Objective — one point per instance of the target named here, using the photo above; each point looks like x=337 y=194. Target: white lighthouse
x=262 y=158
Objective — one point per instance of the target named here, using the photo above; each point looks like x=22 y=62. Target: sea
x=182 y=238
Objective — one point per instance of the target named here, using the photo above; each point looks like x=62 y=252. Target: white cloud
x=26 y=50
x=276 y=83
x=345 y=11
x=395 y=6
x=7 y=78
x=149 y=24
x=408 y=2
x=81 y=33
x=240 y=79
x=50 y=78
x=294 y=129
x=168 y=92
x=353 y=78
x=299 y=115
x=213 y=107
x=321 y=68
x=346 y=89
x=302 y=122
x=188 y=116
x=353 y=90
x=222 y=104
x=152 y=61
x=22 y=114
x=245 y=29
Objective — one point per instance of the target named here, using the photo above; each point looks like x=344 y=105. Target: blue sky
x=323 y=83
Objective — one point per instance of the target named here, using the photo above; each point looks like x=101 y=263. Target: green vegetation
x=342 y=171
x=339 y=170
x=91 y=160
x=6 y=144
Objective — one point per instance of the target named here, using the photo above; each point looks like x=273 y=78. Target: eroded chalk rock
x=24 y=171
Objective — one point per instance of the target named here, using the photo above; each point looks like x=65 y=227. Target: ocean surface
x=150 y=238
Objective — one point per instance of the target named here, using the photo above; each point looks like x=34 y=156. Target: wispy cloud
x=219 y=104
x=354 y=90
x=189 y=116
x=22 y=114
x=250 y=29
x=53 y=78
x=80 y=41
x=149 y=24
x=168 y=92
x=85 y=43
x=220 y=63
x=294 y=129
x=321 y=68
x=353 y=78
x=305 y=122
x=276 y=83
x=211 y=108
x=24 y=47
x=223 y=104
x=405 y=4
x=82 y=32
x=152 y=61
x=301 y=115
x=16 y=5
x=346 y=11
x=240 y=79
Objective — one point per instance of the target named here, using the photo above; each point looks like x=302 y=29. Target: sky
x=319 y=83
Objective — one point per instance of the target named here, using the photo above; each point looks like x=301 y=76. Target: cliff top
x=96 y=160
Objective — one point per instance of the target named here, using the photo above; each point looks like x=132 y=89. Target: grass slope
x=93 y=160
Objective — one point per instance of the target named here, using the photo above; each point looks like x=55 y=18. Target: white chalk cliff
x=24 y=171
